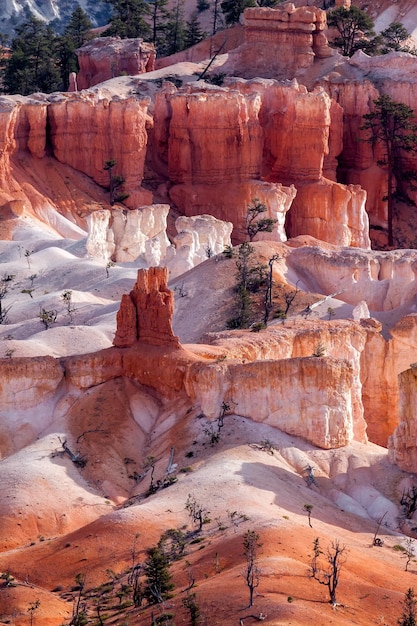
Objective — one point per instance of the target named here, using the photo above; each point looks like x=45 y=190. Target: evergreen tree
x=129 y=19
x=232 y=9
x=355 y=28
x=409 y=616
x=394 y=39
x=158 y=579
x=32 y=65
x=391 y=126
x=193 y=33
x=76 y=33
x=159 y=18
x=79 y=27
x=4 y=42
x=175 y=30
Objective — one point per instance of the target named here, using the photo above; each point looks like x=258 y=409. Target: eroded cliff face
x=114 y=129
x=48 y=164
x=216 y=144
x=307 y=397
x=26 y=389
x=402 y=446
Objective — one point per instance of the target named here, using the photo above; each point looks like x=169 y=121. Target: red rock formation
x=295 y=125
x=280 y=42
x=402 y=446
x=212 y=142
x=145 y=315
x=107 y=57
x=330 y=212
x=215 y=144
x=112 y=129
x=214 y=135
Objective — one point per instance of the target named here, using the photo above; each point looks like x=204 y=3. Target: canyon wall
x=258 y=139
x=402 y=447
x=113 y=129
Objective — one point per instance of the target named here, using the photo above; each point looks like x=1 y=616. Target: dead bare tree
x=329 y=575
x=376 y=540
x=268 y=292
x=196 y=511
x=409 y=502
x=77 y=459
x=252 y=573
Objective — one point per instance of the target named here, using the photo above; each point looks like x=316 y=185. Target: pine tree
x=193 y=33
x=232 y=9
x=129 y=19
x=175 y=29
x=159 y=18
x=354 y=27
x=32 y=65
x=391 y=126
x=158 y=579
x=409 y=617
x=76 y=33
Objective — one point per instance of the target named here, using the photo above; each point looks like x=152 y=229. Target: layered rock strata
x=114 y=129
x=259 y=139
x=281 y=42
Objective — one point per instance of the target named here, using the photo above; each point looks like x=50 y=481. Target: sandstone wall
x=403 y=443
x=309 y=398
x=113 y=128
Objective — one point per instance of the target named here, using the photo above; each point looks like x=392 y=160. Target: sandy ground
x=59 y=520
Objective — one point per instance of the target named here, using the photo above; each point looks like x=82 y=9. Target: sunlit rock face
x=145 y=314
x=104 y=139
x=403 y=443
x=307 y=397
x=198 y=239
x=107 y=57
x=281 y=42
x=125 y=236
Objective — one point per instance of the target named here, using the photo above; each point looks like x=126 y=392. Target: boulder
x=106 y=57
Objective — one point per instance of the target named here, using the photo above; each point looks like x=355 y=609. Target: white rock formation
x=127 y=236
x=198 y=238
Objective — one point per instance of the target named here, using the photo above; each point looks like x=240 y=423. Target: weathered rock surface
x=26 y=387
x=307 y=397
x=115 y=129
x=198 y=238
x=281 y=42
x=229 y=202
x=145 y=315
x=107 y=57
x=402 y=445
x=331 y=212
x=126 y=236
